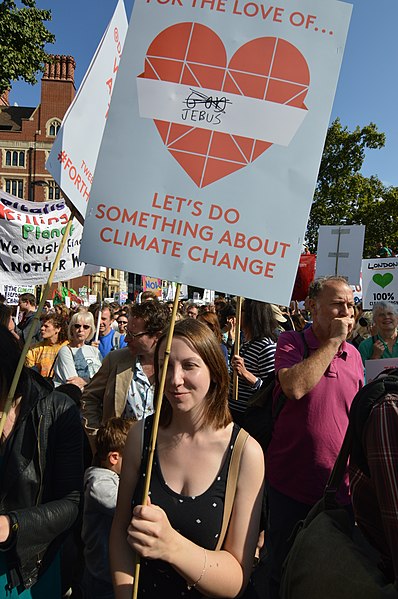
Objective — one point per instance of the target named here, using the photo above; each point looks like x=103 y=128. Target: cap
x=277 y=314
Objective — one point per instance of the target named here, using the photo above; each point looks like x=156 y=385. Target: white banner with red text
x=74 y=153
x=211 y=150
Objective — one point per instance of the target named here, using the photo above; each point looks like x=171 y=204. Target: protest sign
x=340 y=252
x=374 y=367
x=212 y=146
x=208 y=296
x=304 y=277
x=357 y=291
x=30 y=234
x=152 y=284
x=379 y=281
x=171 y=290
x=12 y=292
x=74 y=153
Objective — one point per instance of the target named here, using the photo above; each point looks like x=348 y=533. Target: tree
x=23 y=36
x=344 y=196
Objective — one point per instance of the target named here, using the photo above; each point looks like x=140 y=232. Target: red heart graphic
x=265 y=68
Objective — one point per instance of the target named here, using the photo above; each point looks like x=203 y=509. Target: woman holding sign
x=176 y=533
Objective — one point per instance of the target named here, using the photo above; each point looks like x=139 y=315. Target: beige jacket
x=105 y=395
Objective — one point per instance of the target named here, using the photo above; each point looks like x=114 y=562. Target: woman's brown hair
x=211 y=320
x=203 y=341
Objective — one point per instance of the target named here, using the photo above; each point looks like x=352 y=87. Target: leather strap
x=232 y=479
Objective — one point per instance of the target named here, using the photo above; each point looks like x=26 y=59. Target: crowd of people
x=75 y=443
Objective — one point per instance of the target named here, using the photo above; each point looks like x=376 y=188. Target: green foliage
x=344 y=196
x=23 y=36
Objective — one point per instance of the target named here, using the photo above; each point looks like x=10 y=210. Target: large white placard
x=187 y=187
x=375 y=367
x=340 y=251
x=379 y=281
x=12 y=292
x=74 y=153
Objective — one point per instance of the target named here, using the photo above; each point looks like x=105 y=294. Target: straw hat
x=277 y=313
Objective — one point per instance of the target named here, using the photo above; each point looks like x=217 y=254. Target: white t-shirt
x=82 y=361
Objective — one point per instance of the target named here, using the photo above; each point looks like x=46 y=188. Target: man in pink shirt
x=310 y=429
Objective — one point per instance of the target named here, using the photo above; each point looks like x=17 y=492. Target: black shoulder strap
x=339 y=468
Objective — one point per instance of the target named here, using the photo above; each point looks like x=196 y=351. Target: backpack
x=116 y=341
x=261 y=413
x=329 y=557
x=364 y=401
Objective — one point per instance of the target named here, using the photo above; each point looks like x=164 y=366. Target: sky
x=367 y=90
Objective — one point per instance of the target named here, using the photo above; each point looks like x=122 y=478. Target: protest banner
x=30 y=235
x=74 y=153
x=208 y=296
x=213 y=141
x=374 y=367
x=12 y=292
x=357 y=292
x=170 y=292
x=304 y=277
x=340 y=251
x=379 y=281
x=152 y=284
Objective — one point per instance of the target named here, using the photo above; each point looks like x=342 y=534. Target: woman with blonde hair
x=77 y=363
x=176 y=533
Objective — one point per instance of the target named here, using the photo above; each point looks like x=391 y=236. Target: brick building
x=26 y=137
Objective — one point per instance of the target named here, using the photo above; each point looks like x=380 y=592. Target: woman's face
x=188 y=377
x=80 y=331
x=385 y=320
x=11 y=325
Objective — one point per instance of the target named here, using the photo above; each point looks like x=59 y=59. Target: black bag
x=329 y=558
x=385 y=383
x=261 y=414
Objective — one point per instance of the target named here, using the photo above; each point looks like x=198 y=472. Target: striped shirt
x=259 y=357
x=375 y=499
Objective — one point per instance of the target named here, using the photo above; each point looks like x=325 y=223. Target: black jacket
x=23 y=327
x=41 y=479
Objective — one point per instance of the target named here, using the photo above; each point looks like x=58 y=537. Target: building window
x=15 y=187
x=112 y=272
x=53 y=127
x=54 y=192
x=15 y=158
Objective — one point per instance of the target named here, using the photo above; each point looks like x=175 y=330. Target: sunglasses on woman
x=81 y=326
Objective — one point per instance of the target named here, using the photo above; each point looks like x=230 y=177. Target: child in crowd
x=101 y=484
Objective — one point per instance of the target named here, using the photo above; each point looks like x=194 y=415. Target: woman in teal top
x=385 y=343
x=41 y=479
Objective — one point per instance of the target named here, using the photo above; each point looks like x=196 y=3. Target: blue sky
x=368 y=83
